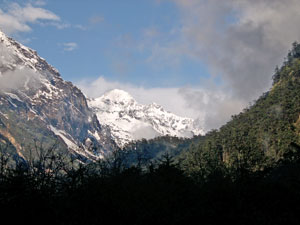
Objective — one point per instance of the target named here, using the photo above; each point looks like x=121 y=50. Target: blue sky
x=197 y=58
x=110 y=38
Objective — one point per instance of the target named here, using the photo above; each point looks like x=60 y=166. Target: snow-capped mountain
x=129 y=120
x=36 y=104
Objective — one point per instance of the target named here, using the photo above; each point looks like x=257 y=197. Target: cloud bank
x=240 y=40
x=16 y=18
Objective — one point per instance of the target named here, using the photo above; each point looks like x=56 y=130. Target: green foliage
x=261 y=134
x=145 y=151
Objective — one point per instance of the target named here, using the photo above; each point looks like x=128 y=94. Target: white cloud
x=242 y=41
x=30 y=13
x=70 y=46
x=18 y=78
x=16 y=18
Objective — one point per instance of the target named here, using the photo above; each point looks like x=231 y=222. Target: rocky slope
x=129 y=120
x=37 y=105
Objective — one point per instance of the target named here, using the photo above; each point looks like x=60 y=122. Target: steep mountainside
x=37 y=105
x=262 y=134
x=130 y=120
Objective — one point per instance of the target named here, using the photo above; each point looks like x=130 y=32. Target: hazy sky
x=204 y=59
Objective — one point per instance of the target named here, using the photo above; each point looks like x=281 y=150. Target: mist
x=20 y=78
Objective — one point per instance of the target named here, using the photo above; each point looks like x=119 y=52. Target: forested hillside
x=262 y=134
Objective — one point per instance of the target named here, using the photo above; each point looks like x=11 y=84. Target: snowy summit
x=129 y=120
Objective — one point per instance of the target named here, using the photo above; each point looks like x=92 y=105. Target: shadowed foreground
x=50 y=191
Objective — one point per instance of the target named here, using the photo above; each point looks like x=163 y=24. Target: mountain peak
x=118 y=95
x=43 y=107
x=129 y=120
x=2 y=34
x=14 y=54
x=4 y=38
x=113 y=97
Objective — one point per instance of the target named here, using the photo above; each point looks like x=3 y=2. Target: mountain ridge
x=127 y=118
x=36 y=104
